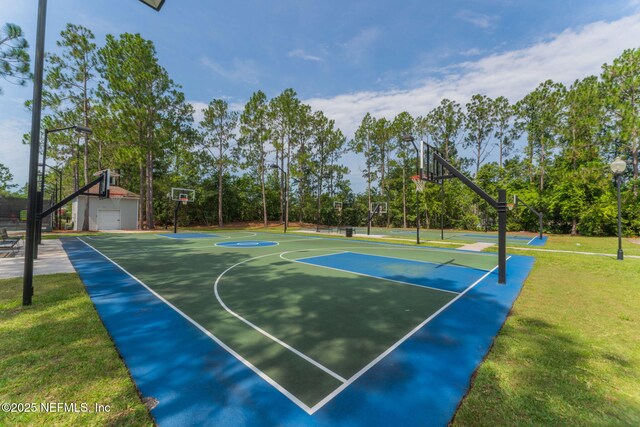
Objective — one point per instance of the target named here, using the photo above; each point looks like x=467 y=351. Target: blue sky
x=345 y=58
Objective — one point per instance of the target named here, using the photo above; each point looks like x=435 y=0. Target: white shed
x=118 y=212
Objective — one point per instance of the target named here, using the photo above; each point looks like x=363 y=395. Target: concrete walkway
x=52 y=258
x=477 y=247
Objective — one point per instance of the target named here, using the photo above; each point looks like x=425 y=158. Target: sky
x=344 y=58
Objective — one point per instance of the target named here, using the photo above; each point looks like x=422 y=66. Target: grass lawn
x=608 y=245
x=569 y=354
x=57 y=350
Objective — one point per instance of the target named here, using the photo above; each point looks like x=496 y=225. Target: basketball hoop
x=510 y=206
x=417 y=180
x=184 y=200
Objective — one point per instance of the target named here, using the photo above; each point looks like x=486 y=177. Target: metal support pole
x=540 y=225
x=620 y=253
x=417 y=217
x=38 y=221
x=175 y=218
x=368 y=222
x=27 y=282
x=41 y=201
x=442 y=211
x=502 y=236
x=286 y=203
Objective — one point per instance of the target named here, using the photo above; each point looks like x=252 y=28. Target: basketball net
x=417 y=180
x=184 y=201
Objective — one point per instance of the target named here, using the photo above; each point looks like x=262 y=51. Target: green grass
x=607 y=245
x=57 y=350
x=570 y=352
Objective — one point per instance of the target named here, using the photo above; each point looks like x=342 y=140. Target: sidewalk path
x=52 y=258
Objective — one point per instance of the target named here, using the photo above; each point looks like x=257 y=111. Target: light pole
x=617 y=167
x=409 y=138
x=80 y=130
x=36 y=112
x=58 y=190
x=286 y=195
x=155 y=4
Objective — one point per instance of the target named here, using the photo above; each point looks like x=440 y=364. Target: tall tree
x=327 y=144
x=254 y=137
x=14 y=55
x=403 y=124
x=69 y=82
x=363 y=144
x=147 y=102
x=622 y=82
x=5 y=180
x=444 y=123
x=479 y=125
x=218 y=131
x=505 y=131
x=285 y=114
x=579 y=165
x=539 y=115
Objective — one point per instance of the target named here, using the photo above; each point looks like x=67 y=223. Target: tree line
x=552 y=147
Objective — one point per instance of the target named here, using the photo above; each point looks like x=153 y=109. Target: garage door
x=108 y=219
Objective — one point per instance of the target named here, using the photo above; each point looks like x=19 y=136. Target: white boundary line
x=531 y=240
x=244 y=361
x=397 y=344
x=262 y=331
x=361 y=274
x=285 y=392
x=257 y=244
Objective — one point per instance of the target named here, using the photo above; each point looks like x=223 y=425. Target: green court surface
x=309 y=314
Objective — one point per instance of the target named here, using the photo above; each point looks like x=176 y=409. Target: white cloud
x=357 y=47
x=240 y=69
x=572 y=54
x=471 y=52
x=302 y=54
x=478 y=19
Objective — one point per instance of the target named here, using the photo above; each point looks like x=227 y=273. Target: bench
x=9 y=246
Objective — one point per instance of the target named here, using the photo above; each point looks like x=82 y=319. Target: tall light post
x=36 y=112
x=617 y=167
x=286 y=195
x=155 y=4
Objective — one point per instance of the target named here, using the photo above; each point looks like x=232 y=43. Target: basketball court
x=249 y=328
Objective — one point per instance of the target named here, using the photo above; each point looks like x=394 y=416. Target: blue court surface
x=190 y=236
x=431 y=275
x=201 y=379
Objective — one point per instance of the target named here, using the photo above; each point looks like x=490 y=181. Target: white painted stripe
x=248 y=364
x=532 y=240
x=262 y=331
x=396 y=345
x=362 y=274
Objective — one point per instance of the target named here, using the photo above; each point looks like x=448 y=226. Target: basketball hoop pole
x=175 y=217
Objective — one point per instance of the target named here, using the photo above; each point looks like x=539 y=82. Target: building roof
x=115 y=192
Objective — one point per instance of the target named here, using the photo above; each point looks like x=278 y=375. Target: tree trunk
x=286 y=184
x=142 y=198
x=220 y=188
x=404 y=199
x=574 y=227
x=150 y=222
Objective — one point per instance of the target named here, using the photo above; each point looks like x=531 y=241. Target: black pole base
x=620 y=255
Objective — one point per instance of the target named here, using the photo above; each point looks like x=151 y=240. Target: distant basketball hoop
x=417 y=180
